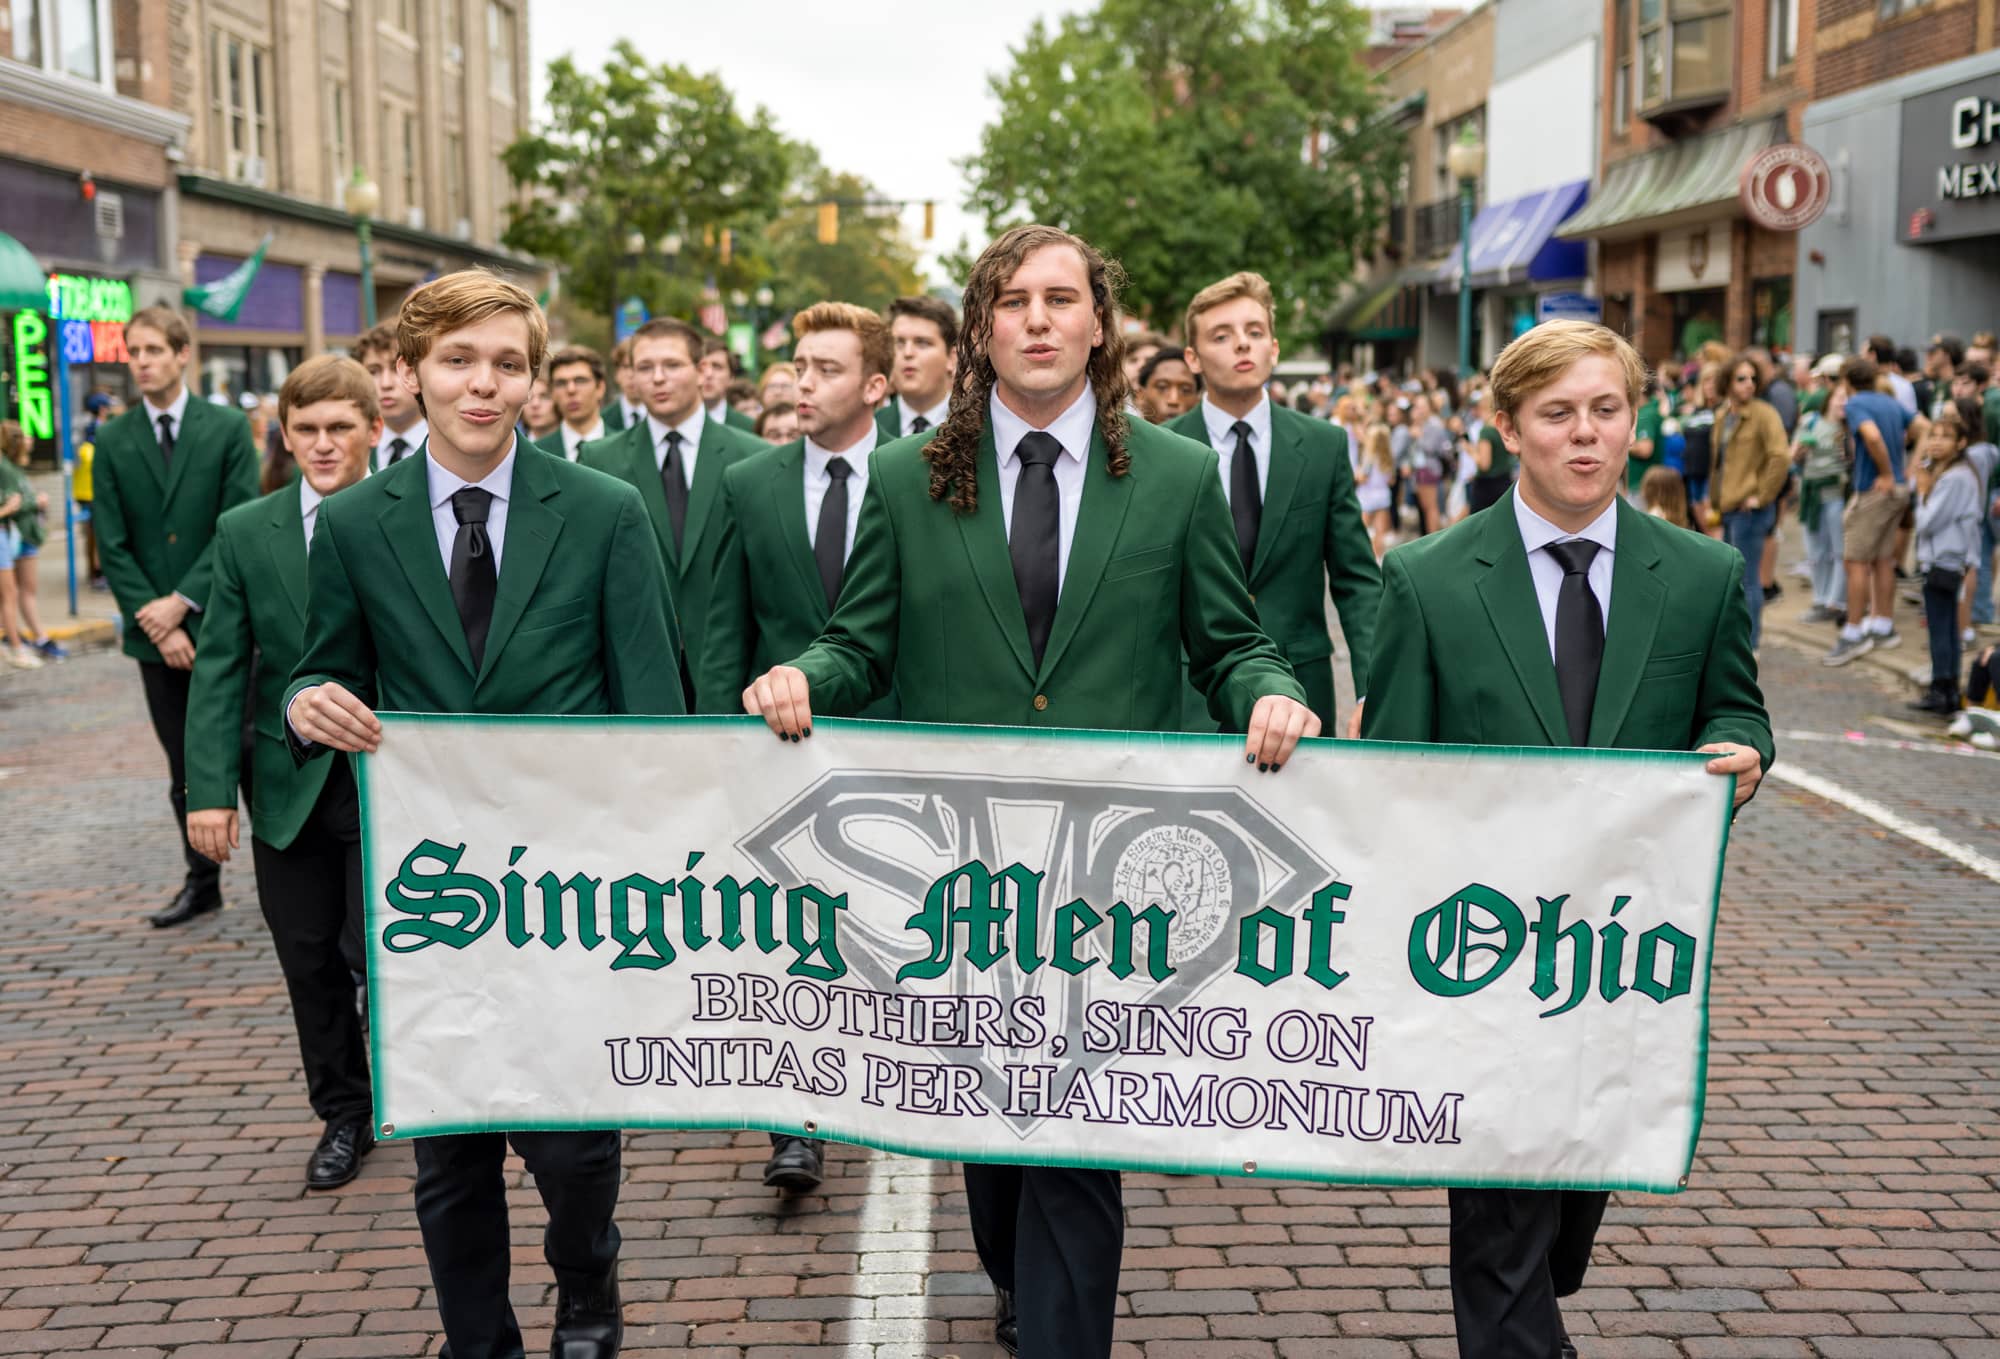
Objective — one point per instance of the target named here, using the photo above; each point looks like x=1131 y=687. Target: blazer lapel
x=787 y=488
x=532 y=530
x=288 y=549
x=984 y=533
x=186 y=441
x=706 y=488
x=1638 y=597
x=1099 y=517
x=1287 y=463
x=1507 y=589
x=413 y=538
x=646 y=476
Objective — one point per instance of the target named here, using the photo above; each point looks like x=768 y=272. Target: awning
x=1512 y=241
x=1694 y=180
x=24 y=284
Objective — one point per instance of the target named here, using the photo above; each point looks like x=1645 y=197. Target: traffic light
x=829 y=223
x=930 y=219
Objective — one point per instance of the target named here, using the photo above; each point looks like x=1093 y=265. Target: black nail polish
x=809 y=731
x=1263 y=769
x=1249 y=759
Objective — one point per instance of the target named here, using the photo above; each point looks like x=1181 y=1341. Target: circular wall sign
x=1786 y=187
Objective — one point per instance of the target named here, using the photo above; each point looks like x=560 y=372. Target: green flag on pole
x=223 y=298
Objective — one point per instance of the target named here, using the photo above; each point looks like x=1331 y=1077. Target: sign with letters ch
x=1386 y=964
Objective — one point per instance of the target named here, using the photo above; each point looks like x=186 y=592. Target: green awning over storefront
x=1693 y=180
x=24 y=284
x=1369 y=313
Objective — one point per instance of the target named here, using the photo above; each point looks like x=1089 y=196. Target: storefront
x=1907 y=247
x=1516 y=257
x=1683 y=258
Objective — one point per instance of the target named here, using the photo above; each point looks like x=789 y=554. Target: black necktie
x=1035 y=539
x=399 y=448
x=474 y=581
x=673 y=480
x=1579 y=636
x=1246 y=502
x=830 y=539
x=167 y=439
x=919 y=425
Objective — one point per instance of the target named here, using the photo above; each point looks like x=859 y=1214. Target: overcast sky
x=893 y=90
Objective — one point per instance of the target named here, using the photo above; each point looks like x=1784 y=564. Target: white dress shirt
x=176 y=412
x=309 y=509
x=634 y=411
x=573 y=441
x=1073 y=430
x=905 y=417
x=818 y=483
x=414 y=436
x=690 y=429
x=443 y=485
x=1220 y=422
x=1537 y=533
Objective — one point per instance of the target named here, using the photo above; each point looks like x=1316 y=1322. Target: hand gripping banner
x=1386 y=964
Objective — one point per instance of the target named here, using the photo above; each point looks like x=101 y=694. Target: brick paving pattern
x=153 y=1129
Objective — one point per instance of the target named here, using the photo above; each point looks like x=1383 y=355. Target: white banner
x=1385 y=964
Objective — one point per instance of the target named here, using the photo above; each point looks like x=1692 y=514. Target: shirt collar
x=719 y=412
x=857 y=456
x=690 y=429
x=1072 y=429
x=571 y=438
x=308 y=498
x=178 y=410
x=935 y=414
x=414 y=436
x=445 y=483
x=1220 y=422
x=1537 y=532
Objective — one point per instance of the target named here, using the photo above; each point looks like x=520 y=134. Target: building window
x=1449 y=135
x=1621 y=65
x=1684 y=52
x=401 y=14
x=339 y=137
x=61 y=36
x=413 y=208
x=500 y=49
x=454 y=183
x=239 y=74
x=1891 y=8
x=1781 y=24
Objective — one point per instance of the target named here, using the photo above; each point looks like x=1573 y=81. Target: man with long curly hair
x=1038 y=560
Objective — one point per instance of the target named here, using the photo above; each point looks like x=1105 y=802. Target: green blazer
x=629 y=456
x=1310 y=542
x=582 y=622
x=767 y=604
x=736 y=419
x=1462 y=655
x=930 y=605
x=889 y=420
x=155 y=522
x=256 y=607
x=614 y=417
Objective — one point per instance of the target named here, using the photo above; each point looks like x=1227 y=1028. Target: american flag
x=712 y=316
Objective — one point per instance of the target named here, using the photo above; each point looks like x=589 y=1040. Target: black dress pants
x=1513 y=1253
x=167 y=704
x=462 y=1211
x=1053 y=1236
x=310 y=892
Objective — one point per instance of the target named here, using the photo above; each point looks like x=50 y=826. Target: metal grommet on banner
x=812 y=1127
x=1684 y=1181
x=1249 y=1167
x=389 y=1130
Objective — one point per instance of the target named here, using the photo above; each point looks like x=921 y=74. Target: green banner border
x=927 y=730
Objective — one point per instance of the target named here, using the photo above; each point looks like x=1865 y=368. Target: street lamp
x=1466 y=162
x=363 y=198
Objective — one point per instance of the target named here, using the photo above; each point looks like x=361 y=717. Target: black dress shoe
x=795 y=1165
x=1006 y=1326
x=590 y=1322
x=191 y=902
x=337 y=1158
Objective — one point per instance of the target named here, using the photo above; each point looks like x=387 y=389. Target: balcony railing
x=1437 y=226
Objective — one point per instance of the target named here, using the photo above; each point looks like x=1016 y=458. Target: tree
x=872 y=262
x=646 y=154
x=1192 y=138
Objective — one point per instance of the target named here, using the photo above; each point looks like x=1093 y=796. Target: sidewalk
x=95 y=625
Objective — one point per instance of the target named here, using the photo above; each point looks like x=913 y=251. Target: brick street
x=1845 y=1202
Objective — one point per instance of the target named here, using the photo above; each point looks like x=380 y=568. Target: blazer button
x=1253 y=599
x=1041 y=702
x=173 y=537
